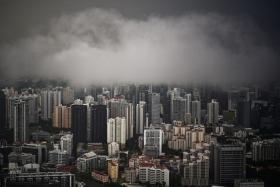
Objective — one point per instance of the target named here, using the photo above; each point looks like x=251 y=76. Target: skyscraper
x=188 y=98
x=67 y=96
x=154 y=108
x=153 y=140
x=117 y=108
x=49 y=99
x=196 y=111
x=98 y=123
x=116 y=131
x=140 y=117
x=166 y=104
x=229 y=163
x=213 y=111
x=79 y=124
x=178 y=109
x=32 y=110
x=243 y=113
x=129 y=115
x=19 y=121
x=62 y=117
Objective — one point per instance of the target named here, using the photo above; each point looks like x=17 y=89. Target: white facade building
x=155 y=138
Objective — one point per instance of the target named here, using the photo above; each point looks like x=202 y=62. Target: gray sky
x=141 y=41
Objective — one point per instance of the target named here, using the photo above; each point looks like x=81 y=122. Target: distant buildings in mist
x=130 y=131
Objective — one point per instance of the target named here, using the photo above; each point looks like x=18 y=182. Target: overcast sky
x=96 y=41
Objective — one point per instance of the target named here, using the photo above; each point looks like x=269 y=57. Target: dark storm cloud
x=101 y=46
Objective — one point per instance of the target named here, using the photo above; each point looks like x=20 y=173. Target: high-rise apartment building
x=196 y=169
x=67 y=96
x=153 y=140
x=140 y=117
x=196 y=112
x=19 y=121
x=213 y=112
x=116 y=130
x=62 y=117
x=49 y=99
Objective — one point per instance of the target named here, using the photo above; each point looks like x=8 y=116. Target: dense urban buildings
x=182 y=93
x=168 y=134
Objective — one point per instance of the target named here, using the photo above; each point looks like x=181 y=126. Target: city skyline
x=150 y=93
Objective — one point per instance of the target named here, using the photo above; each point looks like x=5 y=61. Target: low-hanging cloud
x=101 y=46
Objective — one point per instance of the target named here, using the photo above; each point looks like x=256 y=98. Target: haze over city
x=103 y=45
x=148 y=93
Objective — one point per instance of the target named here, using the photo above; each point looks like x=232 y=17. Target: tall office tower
x=229 y=163
x=67 y=96
x=213 y=111
x=153 y=140
x=62 y=117
x=98 y=123
x=243 y=113
x=129 y=120
x=178 y=109
x=66 y=143
x=3 y=122
x=117 y=108
x=154 y=108
x=188 y=98
x=140 y=117
x=19 y=121
x=196 y=111
x=166 y=104
x=79 y=124
x=116 y=130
